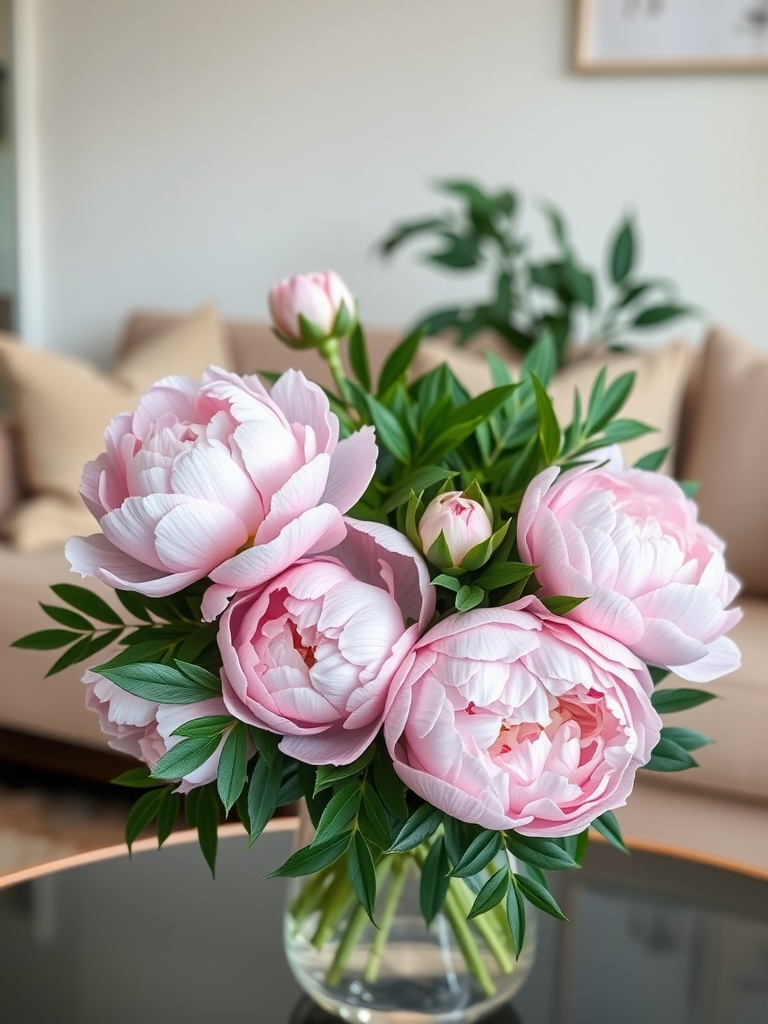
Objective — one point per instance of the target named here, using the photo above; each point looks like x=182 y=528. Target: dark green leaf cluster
x=528 y=294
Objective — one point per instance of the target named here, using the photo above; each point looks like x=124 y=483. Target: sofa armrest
x=10 y=489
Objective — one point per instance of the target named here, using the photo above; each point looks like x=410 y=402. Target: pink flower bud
x=463 y=522
x=317 y=298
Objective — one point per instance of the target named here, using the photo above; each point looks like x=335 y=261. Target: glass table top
x=650 y=938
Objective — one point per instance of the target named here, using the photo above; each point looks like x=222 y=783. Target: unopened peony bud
x=463 y=522
x=310 y=308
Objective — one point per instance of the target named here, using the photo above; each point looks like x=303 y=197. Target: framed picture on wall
x=671 y=35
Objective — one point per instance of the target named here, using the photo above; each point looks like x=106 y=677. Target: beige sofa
x=713 y=404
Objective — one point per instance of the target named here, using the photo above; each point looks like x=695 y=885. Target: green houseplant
x=530 y=294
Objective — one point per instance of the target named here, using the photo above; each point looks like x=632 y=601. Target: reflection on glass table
x=650 y=937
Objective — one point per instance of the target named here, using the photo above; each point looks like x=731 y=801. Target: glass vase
x=402 y=970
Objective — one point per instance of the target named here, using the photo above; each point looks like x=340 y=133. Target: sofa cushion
x=737 y=762
x=656 y=397
x=62 y=406
x=726 y=428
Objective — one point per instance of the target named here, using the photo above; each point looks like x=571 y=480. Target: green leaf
x=185 y=757
x=311 y=859
x=623 y=253
x=207 y=824
x=608 y=827
x=389 y=786
x=83 y=650
x=398 y=362
x=358 y=358
x=263 y=793
x=266 y=743
x=540 y=853
x=469 y=597
x=688 y=739
x=667 y=701
x=669 y=756
x=690 y=488
x=653 y=461
x=549 y=429
x=138 y=778
x=611 y=401
x=330 y=773
x=540 y=360
x=142 y=814
x=167 y=814
x=504 y=575
x=434 y=881
x=419 y=827
x=233 y=767
x=377 y=813
x=193 y=646
x=479 y=854
x=516 y=915
x=625 y=430
x=204 y=728
x=66 y=617
x=459 y=252
x=201 y=676
x=560 y=604
x=539 y=896
x=87 y=602
x=655 y=315
x=362 y=873
x=449 y=582
x=403 y=232
x=657 y=674
x=135 y=604
x=492 y=893
x=340 y=810
x=416 y=482
x=389 y=433
x=161 y=684
x=46 y=640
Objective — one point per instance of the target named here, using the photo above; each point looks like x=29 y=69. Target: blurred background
x=173 y=151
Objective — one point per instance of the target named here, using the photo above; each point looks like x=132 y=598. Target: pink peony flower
x=317 y=298
x=310 y=656
x=462 y=521
x=220 y=479
x=142 y=729
x=629 y=541
x=515 y=718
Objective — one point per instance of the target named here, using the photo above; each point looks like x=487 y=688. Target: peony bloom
x=462 y=521
x=318 y=299
x=310 y=656
x=630 y=542
x=220 y=479
x=143 y=729
x=515 y=718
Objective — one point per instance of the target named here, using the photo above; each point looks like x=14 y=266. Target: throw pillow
x=62 y=405
x=726 y=430
x=656 y=398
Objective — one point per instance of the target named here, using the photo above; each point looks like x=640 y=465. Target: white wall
x=193 y=149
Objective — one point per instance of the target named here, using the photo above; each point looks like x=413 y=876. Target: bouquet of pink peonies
x=438 y=620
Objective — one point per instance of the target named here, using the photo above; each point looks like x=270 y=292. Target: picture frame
x=658 y=36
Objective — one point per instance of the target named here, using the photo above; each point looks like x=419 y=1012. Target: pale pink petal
x=300 y=493
x=199 y=534
x=353 y=464
x=96 y=557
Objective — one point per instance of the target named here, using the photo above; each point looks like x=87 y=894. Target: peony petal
x=209 y=473
x=257 y=565
x=300 y=493
x=199 y=535
x=303 y=401
x=353 y=464
x=96 y=557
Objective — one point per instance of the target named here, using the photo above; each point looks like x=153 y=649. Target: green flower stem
x=399 y=877
x=311 y=895
x=349 y=940
x=354 y=929
x=338 y=899
x=485 y=925
x=467 y=944
x=457 y=918
x=329 y=350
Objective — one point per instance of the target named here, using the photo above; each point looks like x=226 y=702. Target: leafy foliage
x=530 y=295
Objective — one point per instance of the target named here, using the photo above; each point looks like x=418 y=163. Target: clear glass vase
x=403 y=971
